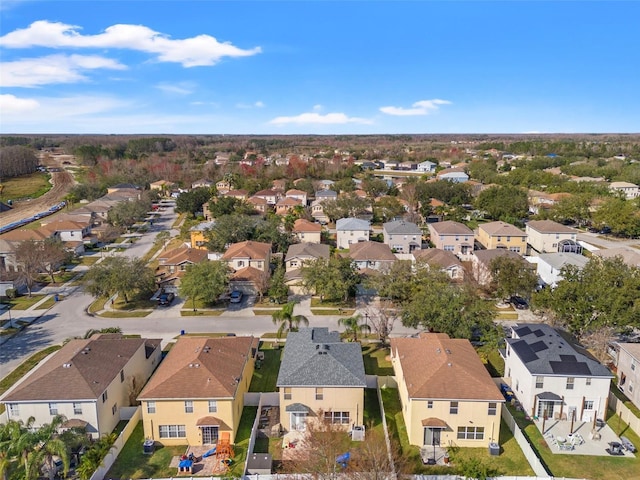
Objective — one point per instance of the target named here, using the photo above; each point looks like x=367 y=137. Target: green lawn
x=201 y=313
x=24 y=302
x=133 y=463
x=264 y=378
x=26 y=186
x=372 y=415
x=8 y=381
x=242 y=441
x=494 y=364
x=50 y=302
x=375 y=360
x=316 y=302
x=344 y=312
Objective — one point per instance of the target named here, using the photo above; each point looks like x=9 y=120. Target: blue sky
x=327 y=67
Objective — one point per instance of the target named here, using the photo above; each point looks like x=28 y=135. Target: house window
x=499 y=238
x=514 y=249
x=429 y=403
x=77 y=408
x=287 y=393
x=588 y=404
x=508 y=239
x=453 y=408
x=449 y=248
x=630 y=387
x=151 y=407
x=457 y=238
x=340 y=418
x=172 y=431
x=259 y=265
x=53 y=409
x=104 y=396
x=213 y=406
x=539 y=382
x=633 y=366
x=240 y=263
x=121 y=376
x=588 y=381
x=319 y=394
x=470 y=433
x=493 y=408
x=570 y=381
x=14 y=409
x=114 y=409
x=188 y=406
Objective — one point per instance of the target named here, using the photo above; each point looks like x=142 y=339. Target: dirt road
x=62 y=182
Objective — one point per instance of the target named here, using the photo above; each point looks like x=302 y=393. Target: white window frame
x=77 y=408
x=213 y=406
x=172 y=431
x=53 y=409
x=151 y=406
x=188 y=406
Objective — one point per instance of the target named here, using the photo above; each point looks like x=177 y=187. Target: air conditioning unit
x=357 y=433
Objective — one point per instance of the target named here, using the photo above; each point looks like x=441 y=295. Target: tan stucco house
x=452 y=237
x=499 y=234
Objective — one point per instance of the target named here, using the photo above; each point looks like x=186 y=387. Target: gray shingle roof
x=352 y=224
x=316 y=357
x=315 y=250
x=544 y=352
x=560 y=259
x=401 y=227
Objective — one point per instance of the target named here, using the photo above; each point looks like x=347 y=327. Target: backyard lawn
x=375 y=360
x=264 y=378
x=24 y=302
x=242 y=441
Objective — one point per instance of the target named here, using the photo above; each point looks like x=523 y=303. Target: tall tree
x=119 y=275
x=29 y=258
x=230 y=229
x=54 y=254
x=507 y=203
x=278 y=289
x=287 y=321
x=512 y=276
x=353 y=326
x=205 y=281
x=191 y=202
x=334 y=279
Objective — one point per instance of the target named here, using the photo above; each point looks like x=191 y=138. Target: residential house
x=202 y=183
x=546 y=236
x=197 y=393
x=629 y=190
x=322 y=195
x=317 y=212
x=628 y=255
x=88 y=381
x=371 y=256
x=279 y=184
x=628 y=370
x=502 y=235
x=481 y=263
x=427 y=167
x=445 y=261
x=448 y=398
x=271 y=196
x=307 y=232
x=237 y=194
x=298 y=195
x=554 y=378
x=163 y=186
x=351 y=230
x=320 y=378
x=287 y=205
x=297 y=255
x=250 y=263
x=452 y=237
x=223 y=186
x=259 y=204
x=173 y=264
x=198 y=234
x=539 y=201
x=453 y=175
x=550 y=265
x=402 y=236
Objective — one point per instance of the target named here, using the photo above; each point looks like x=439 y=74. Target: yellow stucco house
x=448 y=398
x=494 y=235
x=320 y=378
x=198 y=391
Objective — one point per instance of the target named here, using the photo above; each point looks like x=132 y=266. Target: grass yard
x=344 y=312
x=316 y=302
x=131 y=314
x=375 y=360
x=494 y=364
x=8 y=381
x=242 y=441
x=264 y=378
x=26 y=186
x=24 y=302
x=133 y=463
x=372 y=416
x=265 y=311
x=201 y=313
x=50 y=302
x=61 y=277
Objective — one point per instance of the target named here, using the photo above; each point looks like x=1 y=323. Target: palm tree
x=48 y=445
x=9 y=433
x=287 y=320
x=352 y=326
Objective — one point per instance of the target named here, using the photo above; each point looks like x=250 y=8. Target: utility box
x=494 y=449
x=357 y=433
x=259 y=464
x=148 y=447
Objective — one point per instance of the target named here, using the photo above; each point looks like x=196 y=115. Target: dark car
x=519 y=302
x=235 y=297
x=166 y=298
x=605 y=231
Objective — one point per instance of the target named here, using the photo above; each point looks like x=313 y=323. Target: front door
x=298 y=421
x=545 y=409
x=209 y=435
x=431 y=436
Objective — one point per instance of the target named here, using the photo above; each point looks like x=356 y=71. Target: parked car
x=166 y=298
x=605 y=231
x=519 y=302
x=235 y=297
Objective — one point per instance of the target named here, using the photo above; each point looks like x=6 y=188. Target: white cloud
x=317 y=108
x=201 y=50
x=10 y=104
x=316 y=118
x=423 y=107
x=182 y=88
x=257 y=104
x=33 y=72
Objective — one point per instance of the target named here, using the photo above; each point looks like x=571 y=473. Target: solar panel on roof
x=523 y=350
x=570 y=368
x=538 y=333
x=523 y=331
x=568 y=358
x=538 y=346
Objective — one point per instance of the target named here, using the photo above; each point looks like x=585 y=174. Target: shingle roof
x=502 y=228
x=544 y=351
x=486 y=256
x=371 y=251
x=317 y=357
x=248 y=249
x=201 y=367
x=80 y=370
x=352 y=224
x=401 y=227
x=450 y=228
x=22 y=234
x=549 y=226
x=435 y=256
x=628 y=255
x=438 y=367
x=560 y=259
x=315 y=250
x=304 y=225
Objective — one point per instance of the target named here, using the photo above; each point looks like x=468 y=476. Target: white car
x=235 y=297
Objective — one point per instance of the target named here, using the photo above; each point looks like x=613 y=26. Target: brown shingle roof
x=22 y=234
x=371 y=251
x=191 y=255
x=200 y=367
x=248 y=249
x=501 y=228
x=438 y=367
x=304 y=225
x=549 y=226
x=437 y=257
x=81 y=369
x=486 y=256
x=450 y=228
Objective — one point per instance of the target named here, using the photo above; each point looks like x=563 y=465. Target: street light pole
x=366 y=319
